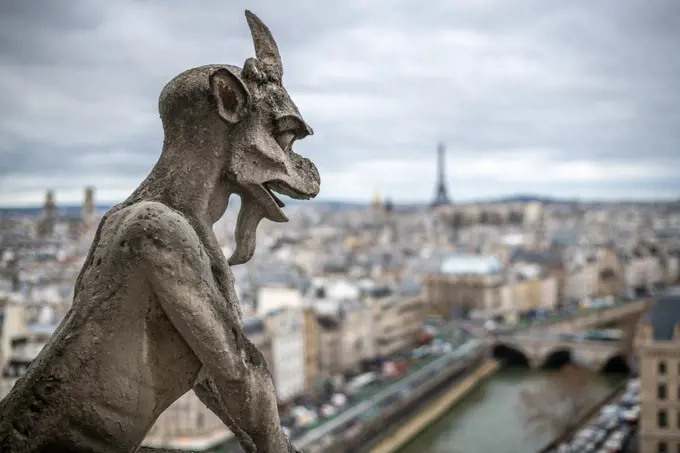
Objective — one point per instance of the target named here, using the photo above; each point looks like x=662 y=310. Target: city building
x=88 y=209
x=311 y=338
x=582 y=277
x=396 y=322
x=464 y=283
x=49 y=216
x=346 y=336
x=551 y=261
x=12 y=326
x=642 y=269
x=531 y=288
x=286 y=330
x=657 y=345
x=274 y=298
x=609 y=273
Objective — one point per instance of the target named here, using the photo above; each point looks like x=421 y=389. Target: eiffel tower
x=441 y=197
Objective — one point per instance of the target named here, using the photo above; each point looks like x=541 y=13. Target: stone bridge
x=597 y=318
x=540 y=351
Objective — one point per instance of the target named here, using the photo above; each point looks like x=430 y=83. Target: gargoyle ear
x=231 y=94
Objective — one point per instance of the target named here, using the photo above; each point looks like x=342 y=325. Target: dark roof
x=379 y=291
x=665 y=313
x=409 y=287
x=552 y=259
x=329 y=322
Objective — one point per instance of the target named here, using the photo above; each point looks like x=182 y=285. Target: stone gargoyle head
x=247 y=119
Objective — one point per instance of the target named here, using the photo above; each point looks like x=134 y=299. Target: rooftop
x=461 y=264
x=665 y=314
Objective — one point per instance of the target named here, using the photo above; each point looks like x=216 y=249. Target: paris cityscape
x=465 y=291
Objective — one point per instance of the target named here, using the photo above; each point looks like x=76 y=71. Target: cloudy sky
x=577 y=98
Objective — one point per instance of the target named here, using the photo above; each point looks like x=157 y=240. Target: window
x=662 y=419
x=662 y=367
x=662 y=447
x=661 y=392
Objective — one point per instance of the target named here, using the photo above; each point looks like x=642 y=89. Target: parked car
x=338 y=400
x=614 y=442
x=632 y=415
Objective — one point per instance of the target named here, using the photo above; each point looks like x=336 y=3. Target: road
x=405 y=383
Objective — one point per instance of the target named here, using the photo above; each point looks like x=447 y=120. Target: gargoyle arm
x=180 y=275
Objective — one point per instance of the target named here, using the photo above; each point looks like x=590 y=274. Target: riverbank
x=585 y=419
x=433 y=411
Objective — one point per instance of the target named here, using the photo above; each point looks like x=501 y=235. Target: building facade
x=346 y=338
x=273 y=298
x=396 y=322
x=311 y=339
x=657 y=345
x=609 y=273
x=286 y=330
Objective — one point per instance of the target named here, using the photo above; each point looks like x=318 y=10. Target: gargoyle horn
x=266 y=49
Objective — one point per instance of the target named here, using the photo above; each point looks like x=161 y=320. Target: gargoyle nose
x=311 y=170
x=308 y=129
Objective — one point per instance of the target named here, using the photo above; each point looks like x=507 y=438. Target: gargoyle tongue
x=249 y=217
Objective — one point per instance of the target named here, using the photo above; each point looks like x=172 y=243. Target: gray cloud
x=522 y=92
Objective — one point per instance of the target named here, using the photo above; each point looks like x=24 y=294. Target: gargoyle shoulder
x=151 y=227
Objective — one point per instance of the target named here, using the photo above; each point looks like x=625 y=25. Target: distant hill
x=530 y=198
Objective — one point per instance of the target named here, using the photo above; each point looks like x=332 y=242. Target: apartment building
x=531 y=289
x=582 y=275
x=12 y=325
x=346 y=336
x=642 y=269
x=286 y=330
x=273 y=298
x=658 y=347
x=550 y=261
x=464 y=283
x=609 y=273
x=488 y=288
x=396 y=322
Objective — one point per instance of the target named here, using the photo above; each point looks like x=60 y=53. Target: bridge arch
x=616 y=364
x=557 y=358
x=511 y=355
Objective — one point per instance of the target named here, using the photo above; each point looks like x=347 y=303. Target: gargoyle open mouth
x=259 y=202
x=271 y=193
x=283 y=188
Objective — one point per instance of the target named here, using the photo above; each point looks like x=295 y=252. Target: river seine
x=488 y=421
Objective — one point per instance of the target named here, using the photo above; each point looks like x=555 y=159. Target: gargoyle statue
x=155 y=313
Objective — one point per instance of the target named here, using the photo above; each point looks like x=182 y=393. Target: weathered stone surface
x=155 y=313
x=161 y=450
